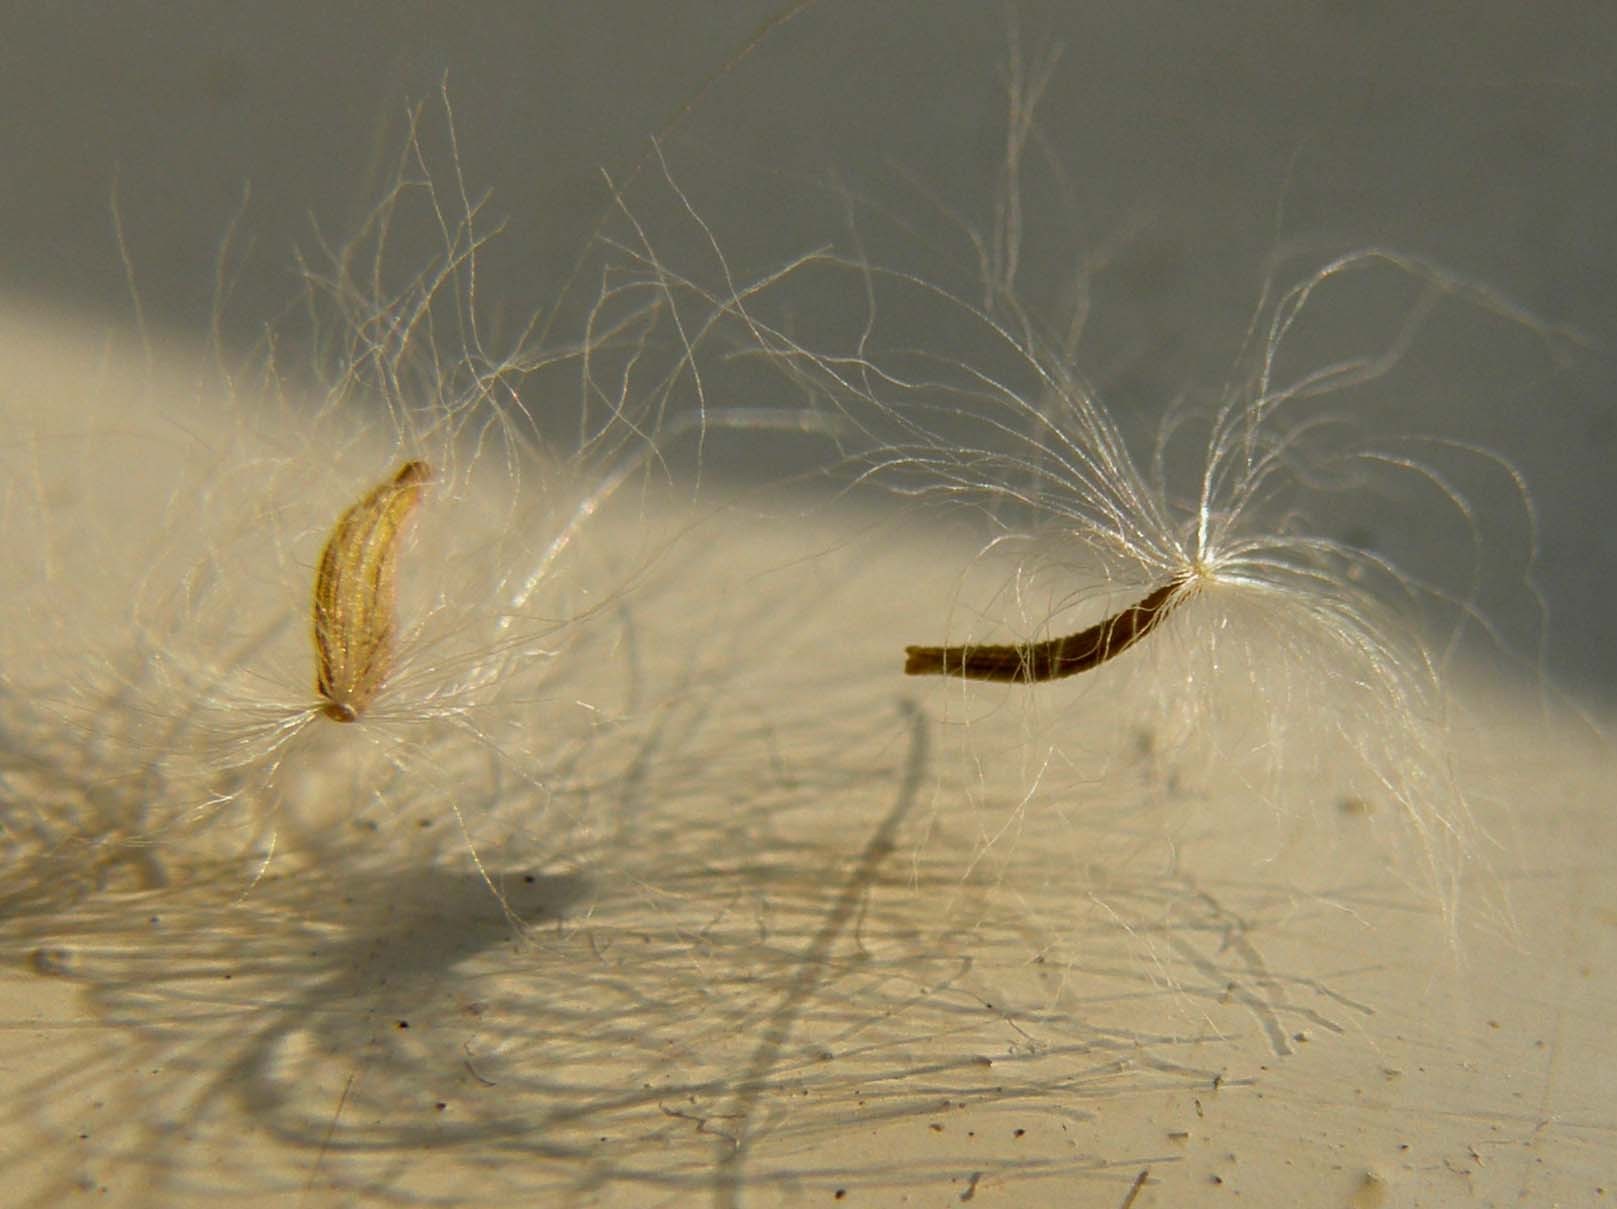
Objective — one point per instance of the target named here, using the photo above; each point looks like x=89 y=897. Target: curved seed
x=1052 y=659
x=355 y=597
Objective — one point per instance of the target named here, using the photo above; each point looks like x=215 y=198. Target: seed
x=355 y=597
x=1052 y=659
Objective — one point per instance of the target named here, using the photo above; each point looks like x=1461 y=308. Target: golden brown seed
x=1049 y=660
x=354 y=594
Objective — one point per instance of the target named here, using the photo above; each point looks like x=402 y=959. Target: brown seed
x=1052 y=659
x=354 y=594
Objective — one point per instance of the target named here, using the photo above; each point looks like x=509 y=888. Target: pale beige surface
x=806 y=932
x=802 y=926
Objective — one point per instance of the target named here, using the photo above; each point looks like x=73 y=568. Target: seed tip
x=923 y=660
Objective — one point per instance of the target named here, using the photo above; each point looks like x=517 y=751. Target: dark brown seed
x=1052 y=659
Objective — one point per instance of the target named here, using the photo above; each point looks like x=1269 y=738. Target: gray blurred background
x=1201 y=144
